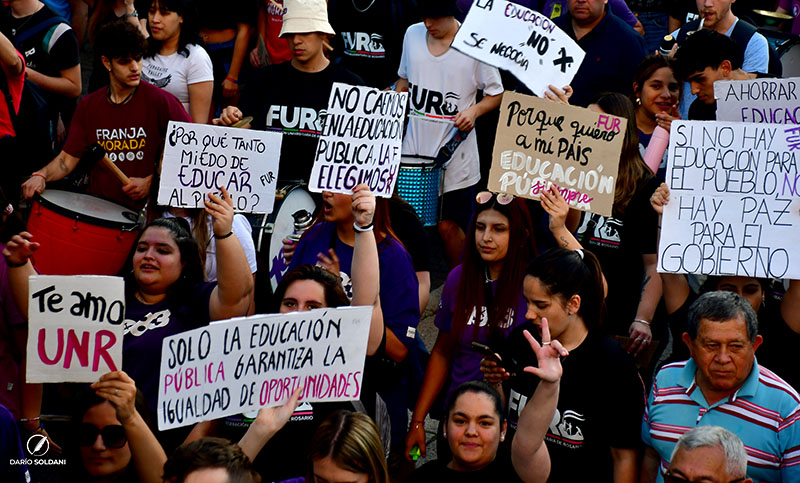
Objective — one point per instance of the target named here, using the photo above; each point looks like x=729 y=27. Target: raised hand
x=120 y=390
x=559 y=95
x=548 y=354
x=329 y=262
x=556 y=206
x=660 y=198
x=363 y=205
x=20 y=248
x=220 y=208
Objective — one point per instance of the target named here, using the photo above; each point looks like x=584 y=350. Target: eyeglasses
x=486 y=196
x=113 y=435
x=670 y=478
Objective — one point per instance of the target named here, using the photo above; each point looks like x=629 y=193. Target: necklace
x=139 y=297
x=364 y=10
x=108 y=94
x=487 y=278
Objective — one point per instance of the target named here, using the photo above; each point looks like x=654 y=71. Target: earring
x=444 y=434
x=638 y=101
x=502 y=437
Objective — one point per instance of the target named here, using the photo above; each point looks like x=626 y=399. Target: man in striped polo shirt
x=722 y=385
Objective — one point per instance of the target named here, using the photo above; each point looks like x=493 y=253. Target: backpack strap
x=742 y=33
x=30 y=32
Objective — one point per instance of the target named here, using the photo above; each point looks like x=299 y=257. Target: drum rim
x=71 y=214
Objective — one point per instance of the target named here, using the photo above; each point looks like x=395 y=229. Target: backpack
x=742 y=33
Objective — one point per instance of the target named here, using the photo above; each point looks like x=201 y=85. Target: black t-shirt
x=283 y=99
x=700 y=111
x=499 y=470
x=216 y=15
x=600 y=404
x=411 y=233
x=619 y=242
x=369 y=37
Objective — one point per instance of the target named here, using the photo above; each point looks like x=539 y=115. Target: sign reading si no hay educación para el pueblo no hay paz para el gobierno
x=243 y=364
x=542 y=142
x=734 y=205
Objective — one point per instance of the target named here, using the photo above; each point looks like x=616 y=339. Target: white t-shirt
x=439 y=88
x=243 y=232
x=175 y=73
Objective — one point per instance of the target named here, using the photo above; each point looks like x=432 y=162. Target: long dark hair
x=381 y=221
x=565 y=273
x=471 y=289
x=632 y=168
x=192 y=273
x=331 y=285
x=190 y=29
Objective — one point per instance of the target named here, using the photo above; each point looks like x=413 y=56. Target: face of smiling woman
x=473 y=431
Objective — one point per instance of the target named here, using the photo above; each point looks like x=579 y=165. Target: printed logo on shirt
x=565 y=430
x=516 y=403
x=304 y=412
x=600 y=230
x=433 y=104
x=160 y=83
x=151 y=321
x=276 y=8
x=485 y=318
x=300 y=121
x=123 y=143
x=362 y=44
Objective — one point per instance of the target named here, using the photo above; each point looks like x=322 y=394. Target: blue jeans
x=655 y=28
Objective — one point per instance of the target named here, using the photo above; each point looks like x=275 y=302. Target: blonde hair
x=351 y=440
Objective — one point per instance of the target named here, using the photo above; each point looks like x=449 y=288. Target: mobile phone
x=486 y=351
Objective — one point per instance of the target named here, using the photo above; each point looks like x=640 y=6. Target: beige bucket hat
x=306 y=16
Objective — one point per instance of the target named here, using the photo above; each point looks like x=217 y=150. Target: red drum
x=80 y=234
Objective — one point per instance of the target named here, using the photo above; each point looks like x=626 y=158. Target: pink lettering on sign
x=570 y=195
x=78 y=346
x=608 y=123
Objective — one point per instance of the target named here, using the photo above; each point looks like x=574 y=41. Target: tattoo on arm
x=645 y=282
x=564 y=241
x=63 y=165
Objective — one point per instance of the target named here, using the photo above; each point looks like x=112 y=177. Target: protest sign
x=248 y=363
x=360 y=140
x=200 y=159
x=74 y=327
x=541 y=142
x=734 y=200
x=521 y=41
x=758 y=100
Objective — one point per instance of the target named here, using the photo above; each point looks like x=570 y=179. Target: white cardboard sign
x=247 y=363
x=734 y=204
x=75 y=327
x=199 y=159
x=522 y=41
x=773 y=101
x=360 y=140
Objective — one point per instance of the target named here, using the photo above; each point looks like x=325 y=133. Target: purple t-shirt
x=793 y=7
x=399 y=285
x=146 y=326
x=10 y=320
x=467 y=361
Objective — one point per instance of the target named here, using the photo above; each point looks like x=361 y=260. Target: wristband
x=40 y=175
x=417 y=424
x=17 y=265
x=218 y=237
x=28 y=420
x=235 y=81
x=642 y=321
x=362 y=229
x=134 y=14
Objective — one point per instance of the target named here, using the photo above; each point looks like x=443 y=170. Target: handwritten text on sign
x=249 y=363
x=360 y=141
x=542 y=142
x=774 y=101
x=200 y=159
x=734 y=200
x=522 y=41
x=75 y=327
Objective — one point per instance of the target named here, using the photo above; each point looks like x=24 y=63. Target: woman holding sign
x=166 y=291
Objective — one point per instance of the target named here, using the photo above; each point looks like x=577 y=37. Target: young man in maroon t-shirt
x=128 y=119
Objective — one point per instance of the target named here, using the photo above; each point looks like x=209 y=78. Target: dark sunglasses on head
x=113 y=435
x=486 y=196
x=669 y=478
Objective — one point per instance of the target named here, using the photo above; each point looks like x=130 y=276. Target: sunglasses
x=486 y=196
x=113 y=435
x=669 y=478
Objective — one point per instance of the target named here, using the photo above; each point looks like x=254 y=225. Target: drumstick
x=114 y=169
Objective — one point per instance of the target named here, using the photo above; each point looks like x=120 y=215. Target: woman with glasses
x=481 y=299
x=114 y=441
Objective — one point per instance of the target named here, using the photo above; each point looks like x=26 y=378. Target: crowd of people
x=561 y=353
